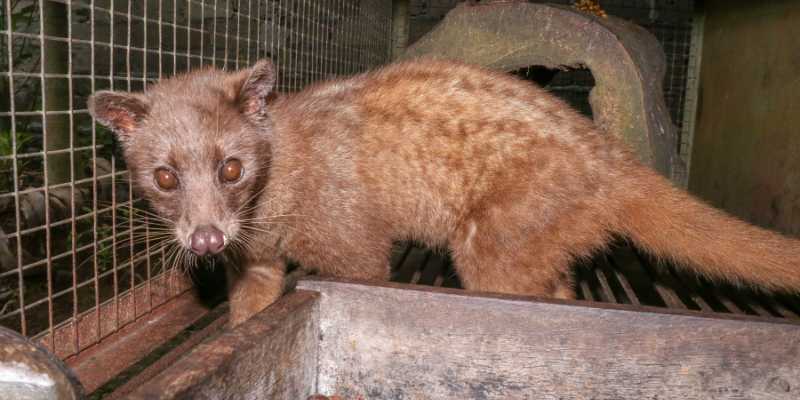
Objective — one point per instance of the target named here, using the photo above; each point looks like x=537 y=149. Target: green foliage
x=6 y=144
x=7 y=164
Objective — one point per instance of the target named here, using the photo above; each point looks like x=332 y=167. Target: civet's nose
x=207 y=239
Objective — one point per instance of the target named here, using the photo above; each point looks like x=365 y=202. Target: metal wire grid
x=78 y=258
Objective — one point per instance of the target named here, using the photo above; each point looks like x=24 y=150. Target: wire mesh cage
x=80 y=255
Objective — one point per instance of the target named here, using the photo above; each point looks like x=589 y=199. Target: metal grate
x=78 y=259
x=621 y=275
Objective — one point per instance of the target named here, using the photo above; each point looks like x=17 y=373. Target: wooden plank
x=403 y=341
x=98 y=326
x=220 y=318
x=271 y=356
x=99 y=363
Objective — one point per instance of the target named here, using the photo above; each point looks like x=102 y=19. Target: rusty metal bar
x=415 y=277
x=694 y=292
x=605 y=267
x=759 y=309
x=781 y=309
x=728 y=303
x=433 y=268
x=622 y=260
x=662 y=283
x=627 y=288
x=608 y=294
x=792 y=303
x=586 y=292
x=399 y=254
x=409 y=264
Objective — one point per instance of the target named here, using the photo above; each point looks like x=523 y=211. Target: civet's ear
x=258 y=82
x=121 y=112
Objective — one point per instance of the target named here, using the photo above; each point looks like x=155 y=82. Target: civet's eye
x=231 y=171
x=165 y=179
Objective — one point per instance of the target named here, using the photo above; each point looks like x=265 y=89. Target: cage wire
x=80 y=255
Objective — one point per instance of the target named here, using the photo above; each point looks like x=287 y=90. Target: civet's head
x=197 y=147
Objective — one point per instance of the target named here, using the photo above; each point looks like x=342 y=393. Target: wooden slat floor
x=620 y=275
